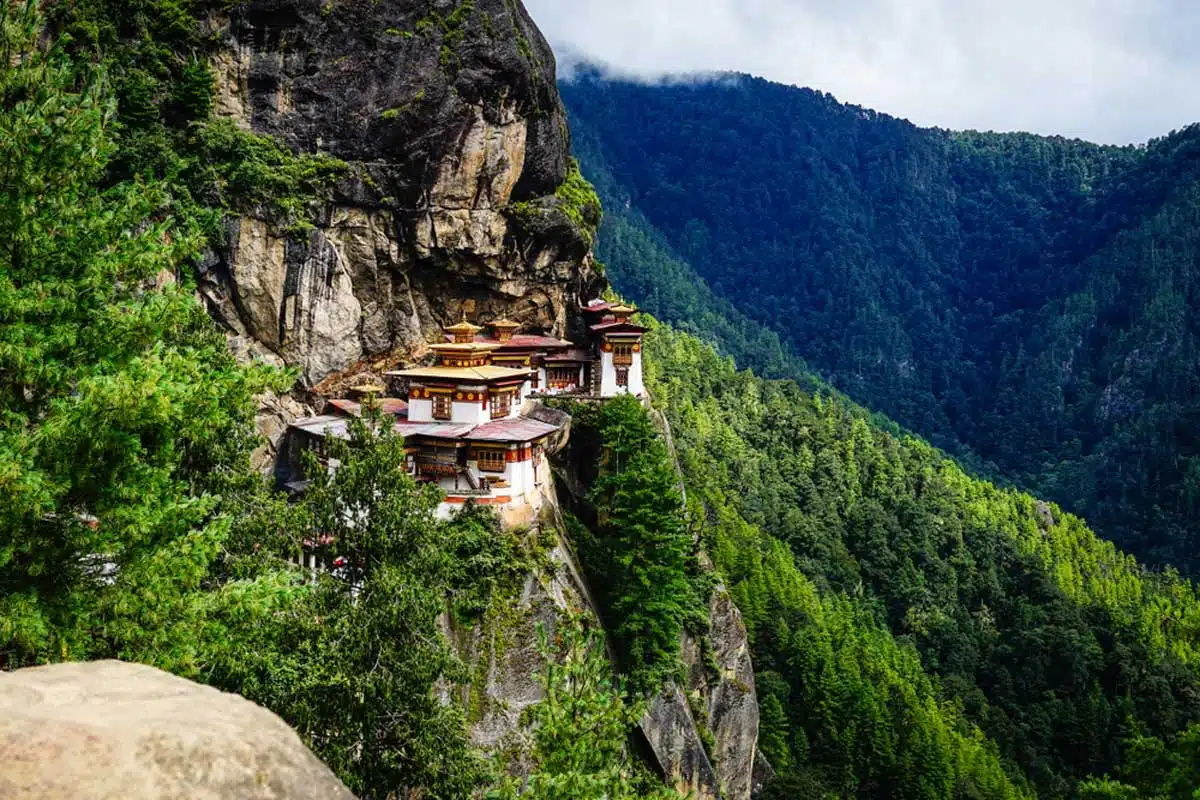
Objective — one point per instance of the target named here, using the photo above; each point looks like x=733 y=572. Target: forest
x=1022 y=302
x=918 y=632
x=134 y=526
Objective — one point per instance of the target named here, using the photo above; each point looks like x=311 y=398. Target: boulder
x=108 y=729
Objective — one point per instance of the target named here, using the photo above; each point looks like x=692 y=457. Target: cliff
x=457 y=199
x=455 y=141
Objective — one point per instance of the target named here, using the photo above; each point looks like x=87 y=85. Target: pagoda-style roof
x=524 y=341
x=385 y=405
x=574 y=356
x=513 y=429
x=617 y=326
x=504 y=328
x=487 y=373
x=621 y=309
x=475 y=348
x=463 y=332
x=463 y=327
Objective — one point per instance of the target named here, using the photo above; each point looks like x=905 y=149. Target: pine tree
x=124 y=421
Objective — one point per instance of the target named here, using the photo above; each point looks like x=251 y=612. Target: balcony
x=430 y=464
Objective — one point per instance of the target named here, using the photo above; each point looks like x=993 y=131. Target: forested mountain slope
x=891 y=598
x=1021 y=301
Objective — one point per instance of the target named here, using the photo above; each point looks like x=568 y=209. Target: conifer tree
x=124 y=420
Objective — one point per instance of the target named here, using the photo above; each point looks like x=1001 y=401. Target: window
x=501 y=405
x=441 y=406
x=490 y=460
x=622 y=376
x=564 y=377
x=622 y=353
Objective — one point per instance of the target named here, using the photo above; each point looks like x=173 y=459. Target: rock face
x=448 y=116
x=721 y=678
x=107 y=729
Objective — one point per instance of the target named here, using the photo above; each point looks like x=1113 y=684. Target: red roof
x=617 y=326
x=524 y=341
x=574 y=356
x=513 y=429
x=387 y=405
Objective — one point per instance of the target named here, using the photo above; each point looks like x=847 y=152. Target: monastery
x=472 y=422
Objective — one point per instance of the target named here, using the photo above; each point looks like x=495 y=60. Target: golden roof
x=489 y=372
x=622 y=309
x=463 y=327
x=505 y=323
x=464 y=348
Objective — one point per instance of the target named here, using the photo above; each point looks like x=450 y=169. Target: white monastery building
x=468 y=421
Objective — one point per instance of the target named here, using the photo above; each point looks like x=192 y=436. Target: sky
x=1113 y=71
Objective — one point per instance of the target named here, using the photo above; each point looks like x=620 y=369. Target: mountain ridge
x=922 y=272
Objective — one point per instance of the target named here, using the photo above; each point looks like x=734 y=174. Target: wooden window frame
x=622 y=353
x=491 y=460
x=501 y=404
x=443 y=406
x=622 y=376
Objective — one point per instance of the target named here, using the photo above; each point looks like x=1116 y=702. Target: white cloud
x=1107 y=70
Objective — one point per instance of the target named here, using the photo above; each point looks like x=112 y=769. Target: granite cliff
x=455 y=143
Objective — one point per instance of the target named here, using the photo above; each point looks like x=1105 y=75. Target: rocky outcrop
x=448 y=117
x=701 y=736
x=503 y=650
x=720 y=682
x=107 y=729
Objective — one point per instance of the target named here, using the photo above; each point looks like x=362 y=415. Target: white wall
x=608 y=377
x=471 y=411
x=420 y=410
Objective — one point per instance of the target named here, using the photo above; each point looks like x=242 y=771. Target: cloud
x=1114 y=71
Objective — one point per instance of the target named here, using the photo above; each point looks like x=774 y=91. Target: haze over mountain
x=1114 y=72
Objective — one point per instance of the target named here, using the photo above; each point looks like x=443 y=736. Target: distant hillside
x=918 y=633
x=1022 y=301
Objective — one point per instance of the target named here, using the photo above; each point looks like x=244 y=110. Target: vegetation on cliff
x=1020 y=301
x=635 y=547
x=580 y=728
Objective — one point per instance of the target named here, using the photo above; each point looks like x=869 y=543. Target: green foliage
x=581 y=727
x=577 y=199
x=1153 y=770
x=125 y=425
x=157 y=59
x=354 y=666
x=641 y=556
x=838 y=538
x=239 y=170
x=1018 y=300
